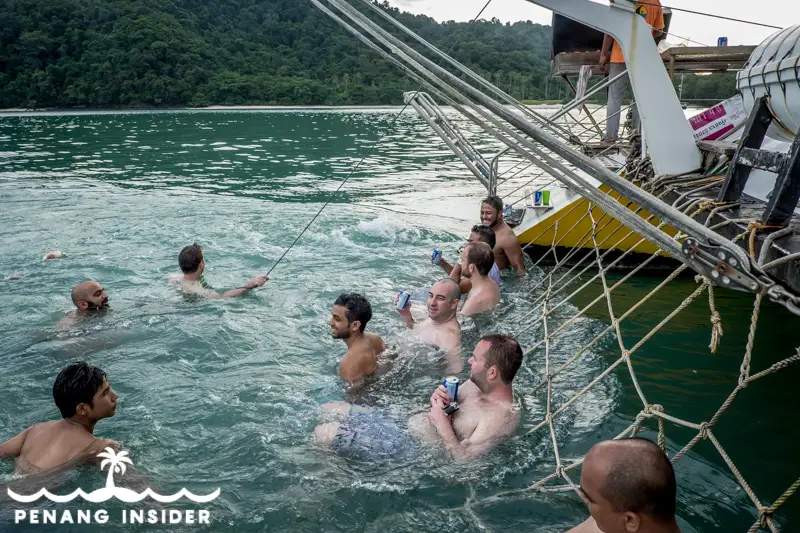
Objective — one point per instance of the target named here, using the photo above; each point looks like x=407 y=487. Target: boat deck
x=677 y=60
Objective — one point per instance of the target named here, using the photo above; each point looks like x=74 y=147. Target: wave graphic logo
x=116 y=465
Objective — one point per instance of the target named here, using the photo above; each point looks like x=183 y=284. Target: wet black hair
x=485 y=233
x=358 y=308
x=494 y=201
x=641 y=480
x=190 y=257
x=76 y=384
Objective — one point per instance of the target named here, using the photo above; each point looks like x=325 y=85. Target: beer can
x=537 y=198
x=722 y=41
x=451 y=384
x=507 y=211
x=402 y=300
x=436 y=257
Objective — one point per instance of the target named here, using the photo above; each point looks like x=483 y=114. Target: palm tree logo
x=116 y=465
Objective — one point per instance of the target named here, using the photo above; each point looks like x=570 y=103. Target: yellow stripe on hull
x=609 y=233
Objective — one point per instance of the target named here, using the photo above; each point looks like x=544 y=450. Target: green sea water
x=226 y=394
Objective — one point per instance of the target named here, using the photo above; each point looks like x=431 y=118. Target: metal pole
x=599 y=131
x=595 y=90
x=466 y=70
x=553 y=166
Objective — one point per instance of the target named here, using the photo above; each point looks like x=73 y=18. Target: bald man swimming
x=89 y=296
x=441 y=328
x=629 y=487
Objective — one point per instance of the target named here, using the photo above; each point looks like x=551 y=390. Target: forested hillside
x=105 y=53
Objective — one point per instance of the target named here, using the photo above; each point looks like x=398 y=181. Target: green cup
x=545 y=197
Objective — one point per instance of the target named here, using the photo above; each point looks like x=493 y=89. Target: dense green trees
x=61 y=53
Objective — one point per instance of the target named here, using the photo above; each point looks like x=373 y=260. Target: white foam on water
x=387 y=228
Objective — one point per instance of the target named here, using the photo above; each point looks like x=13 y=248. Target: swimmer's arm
x=464 y=284
x=447 y=267
x=351 y=371
x=513 y=251
x=13 y=447
x=244 y=289
x=405 y=314
x=470 y=448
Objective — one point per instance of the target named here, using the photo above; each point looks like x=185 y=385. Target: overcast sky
x=703 y=29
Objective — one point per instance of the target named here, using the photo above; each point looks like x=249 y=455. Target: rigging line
x=372 y=147
x=711 y=15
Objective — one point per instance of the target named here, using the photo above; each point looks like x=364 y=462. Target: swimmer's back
x=52 y=444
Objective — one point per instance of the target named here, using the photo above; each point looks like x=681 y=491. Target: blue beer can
x=436 y=257
x=722 y=41
x=506 y=211
x=402 y=300
x=451 y=384
x=537 y=198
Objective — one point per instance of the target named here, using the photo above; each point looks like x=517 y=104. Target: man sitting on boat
x=507 y=251
x=441 y=328
x=349 y=317
x=193 y=264
x=84 y=397
x=479 y=233
x=478 y=259
x=486 y=414
x=629 y=487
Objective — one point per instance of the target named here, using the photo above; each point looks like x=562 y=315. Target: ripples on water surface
x=225 y=393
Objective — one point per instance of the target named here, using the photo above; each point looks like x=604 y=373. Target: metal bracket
x=720 y=266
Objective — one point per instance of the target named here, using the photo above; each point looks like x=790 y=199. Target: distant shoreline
x=89 y=110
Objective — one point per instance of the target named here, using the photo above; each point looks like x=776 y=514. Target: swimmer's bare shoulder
x=50 y=445
x=587 y=526
x=376 y=342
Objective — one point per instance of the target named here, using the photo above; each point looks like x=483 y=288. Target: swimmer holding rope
x=441 y=328
x=349 y=317
x=192 y=264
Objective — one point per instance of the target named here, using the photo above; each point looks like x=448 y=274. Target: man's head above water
x=443 y=300
x=492 y=211
x=477 y=260
x=82 y=391
x=629 y=487
x=89 y=295
x=483 y=233
x=495 y=362
x=191 y=260
x=349 y=315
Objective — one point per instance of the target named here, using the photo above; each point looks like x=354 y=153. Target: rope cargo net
x=554 y=294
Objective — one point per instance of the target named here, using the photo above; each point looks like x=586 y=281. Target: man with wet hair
x=83 y=396
x=89 y=296
x=629 y=486
x=192 y=264
x=479 y=233
x=349 y=317
x=485 y=416
x=507 y=251
x=441 y=328
x=478 y=259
